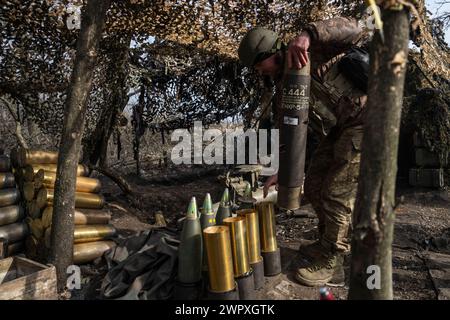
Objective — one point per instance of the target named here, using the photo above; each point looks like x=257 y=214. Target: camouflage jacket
x=334 y=99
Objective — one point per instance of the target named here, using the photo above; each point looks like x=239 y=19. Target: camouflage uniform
x=331 y=179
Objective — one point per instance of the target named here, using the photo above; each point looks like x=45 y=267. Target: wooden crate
x=429 y=178
x=24 y=279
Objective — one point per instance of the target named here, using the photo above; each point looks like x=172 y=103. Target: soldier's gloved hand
x=270 y=182
x=298 y=51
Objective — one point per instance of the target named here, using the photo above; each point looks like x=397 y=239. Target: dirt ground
x=420 y=250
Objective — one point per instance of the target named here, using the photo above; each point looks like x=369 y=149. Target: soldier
x=336 y=110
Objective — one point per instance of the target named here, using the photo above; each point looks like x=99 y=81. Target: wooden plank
x=27 y=280
x=5 y=266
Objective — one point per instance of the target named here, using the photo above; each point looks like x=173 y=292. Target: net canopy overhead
x=175 y=59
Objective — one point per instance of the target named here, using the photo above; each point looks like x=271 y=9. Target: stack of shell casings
x=13 y=230
x=36 y=176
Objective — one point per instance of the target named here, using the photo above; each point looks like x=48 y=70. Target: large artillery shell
x=220 y=261
x=82 y=170
x=14 y=232
x=239 y=246
x=5 y=164
x=266 y=215
x=11 y=214
x=252 y=224
x=190 y=251
x=25 y=156
x=91 y=233
x=293 y=126
x=83 y=184
x=9 y=197
x=208 y=217
x=224 y=210
x=87 y=252
x=84 y=200
x=82 y=217
x=7 y=180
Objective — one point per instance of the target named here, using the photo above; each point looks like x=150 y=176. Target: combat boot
x=320 y=272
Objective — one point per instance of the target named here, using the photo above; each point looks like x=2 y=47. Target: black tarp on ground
x=143 y=267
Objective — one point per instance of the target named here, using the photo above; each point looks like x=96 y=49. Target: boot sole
x=312 y=283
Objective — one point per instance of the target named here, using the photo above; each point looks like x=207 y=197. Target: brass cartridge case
x=220 y=261
x=83 y=184
x=239 y=246
x=26 y=156
x=91 y=233
x=266 y=215
x=252 y=225
x=7 y=180
x=5 y=164
x=84 y=200
x=11 y=214
x=82 y=170
x=82 y=217
x=9 y=197
x=14 y=232
x=87 y=252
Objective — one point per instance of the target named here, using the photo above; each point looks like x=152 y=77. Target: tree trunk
x=374 y=208
x=19 y=135
x=92 y=22
x=96 y=146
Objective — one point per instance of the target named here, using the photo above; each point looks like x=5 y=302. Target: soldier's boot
x=320 y=272
x=327 y=268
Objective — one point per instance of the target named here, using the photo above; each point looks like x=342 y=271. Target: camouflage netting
x=171 y=61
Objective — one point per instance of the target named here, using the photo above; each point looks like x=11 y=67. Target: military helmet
x=256 y=43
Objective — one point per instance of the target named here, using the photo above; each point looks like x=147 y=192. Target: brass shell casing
x=82 y=170
x=7 y=180
x=14 y=232
x=26 y=156
x=87 y=252
x=11 y=214
x=220 y=261
x=84 y=200
x=253 y=238
x=9 y=196
x=83 y=217
x=83 y=184
x=266 y=215
x=239 y=245
x=89 y=233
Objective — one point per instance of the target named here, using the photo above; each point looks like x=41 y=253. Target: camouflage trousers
x=331 y=184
